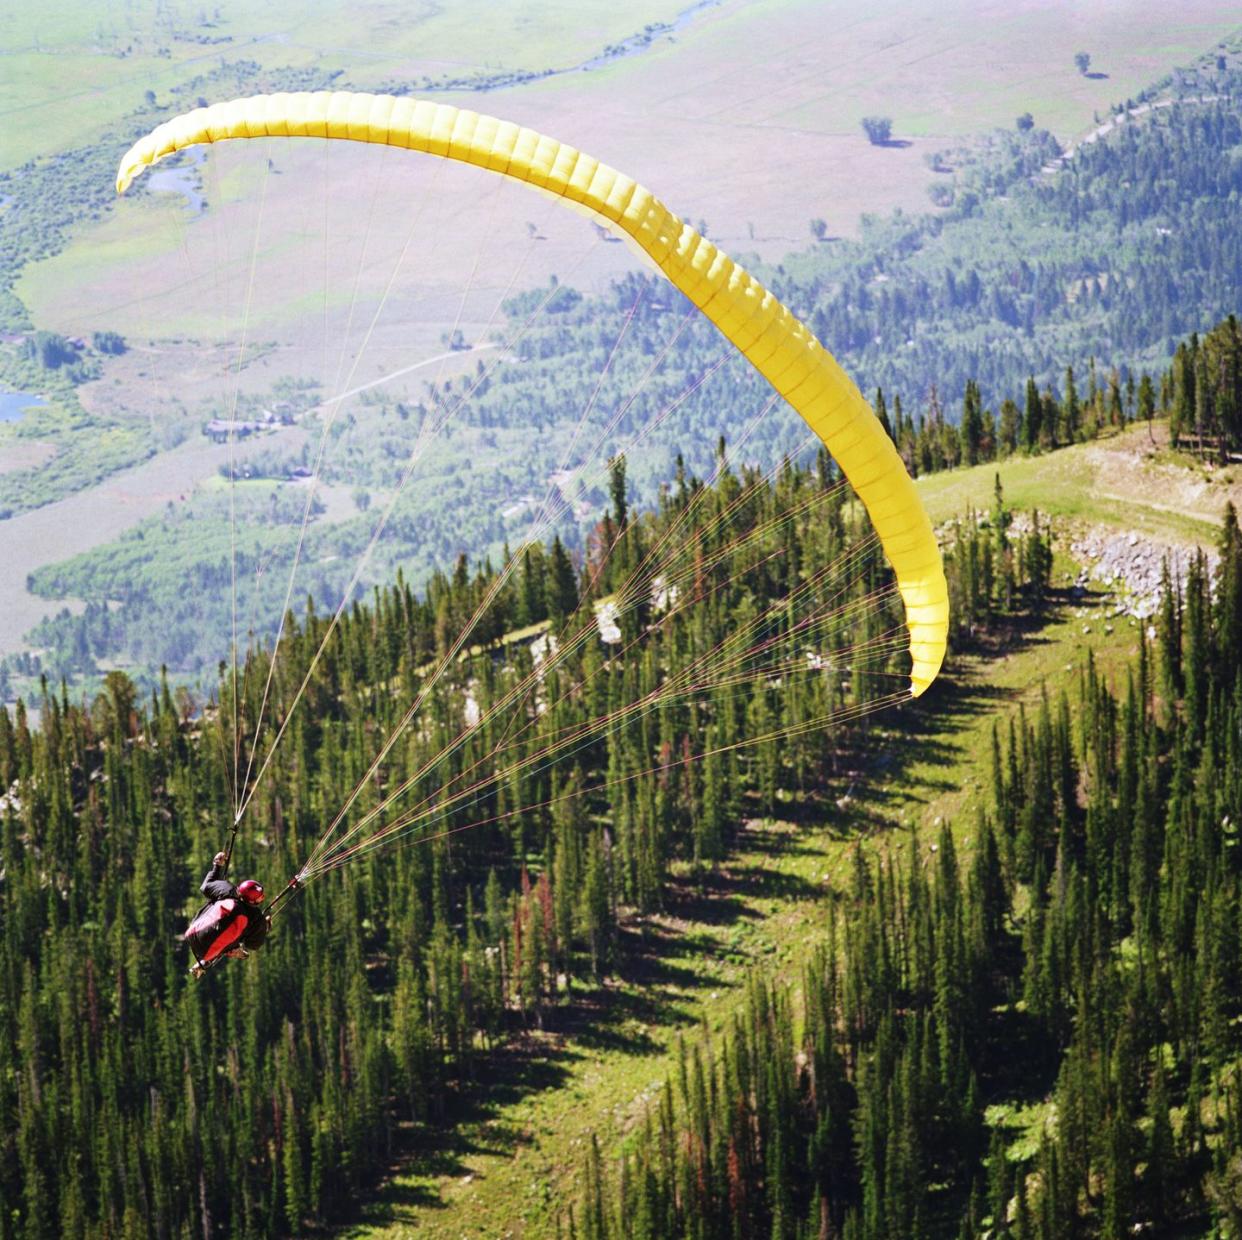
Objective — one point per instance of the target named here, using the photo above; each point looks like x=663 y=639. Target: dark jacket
x=217 y=887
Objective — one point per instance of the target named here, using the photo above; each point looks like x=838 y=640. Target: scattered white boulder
x=606 y=622
x=1133 y=565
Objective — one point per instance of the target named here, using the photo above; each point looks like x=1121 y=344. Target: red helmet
x=250 y=891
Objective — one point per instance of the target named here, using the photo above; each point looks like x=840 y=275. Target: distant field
x=748 y=118
x=72 y=66
x=438 y=240
x=18 y=454
x=95 y=517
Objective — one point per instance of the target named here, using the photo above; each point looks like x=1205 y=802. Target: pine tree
x=972 y=424
x=1032 y=418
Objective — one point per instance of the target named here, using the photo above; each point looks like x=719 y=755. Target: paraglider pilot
x=233 y=923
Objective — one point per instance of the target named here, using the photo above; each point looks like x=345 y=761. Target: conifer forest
x=1078 y=941
x=621 y=622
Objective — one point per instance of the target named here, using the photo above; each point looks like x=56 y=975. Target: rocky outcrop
x=1133 y=565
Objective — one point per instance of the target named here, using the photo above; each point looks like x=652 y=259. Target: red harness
x=217 y=928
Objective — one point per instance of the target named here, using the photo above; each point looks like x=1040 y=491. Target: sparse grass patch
x=1023 y=1126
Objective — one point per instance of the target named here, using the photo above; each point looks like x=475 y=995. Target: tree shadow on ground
x=660 y=960
x=621 y=1017
x=762 y=881
x=1020 y=1062
x=437 y=1151
x=710 y=899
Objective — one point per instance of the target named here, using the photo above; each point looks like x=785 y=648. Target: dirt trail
x=1140 y=467
x=1115 y=122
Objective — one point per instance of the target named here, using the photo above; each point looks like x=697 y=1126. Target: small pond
x=182 y=178
x=13 y=405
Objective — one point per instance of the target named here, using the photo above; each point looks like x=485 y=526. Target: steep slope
x=517 y=1162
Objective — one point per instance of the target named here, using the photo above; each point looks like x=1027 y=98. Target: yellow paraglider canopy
x=764 y=330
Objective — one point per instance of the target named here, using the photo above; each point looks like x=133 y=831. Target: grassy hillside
x=1130 y=481
x=518 y=1159
x=466 y=1054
